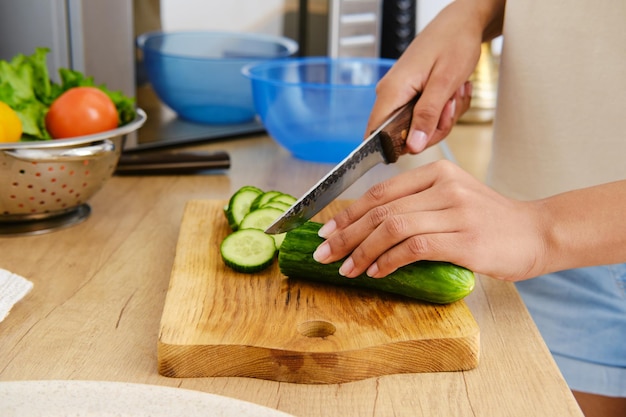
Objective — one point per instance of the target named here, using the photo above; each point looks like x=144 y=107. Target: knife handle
x=394 y=134
x=171 y=163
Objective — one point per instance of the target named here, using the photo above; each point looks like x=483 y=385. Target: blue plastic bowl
x=198 y=74
x=317 y=107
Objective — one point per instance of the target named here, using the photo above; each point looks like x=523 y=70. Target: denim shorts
x=581 y=314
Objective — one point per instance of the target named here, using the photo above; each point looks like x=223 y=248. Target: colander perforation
x=51 y=186
x=46 y=180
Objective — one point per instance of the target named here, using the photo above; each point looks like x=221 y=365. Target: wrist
x=550 y=247
x=488 y=14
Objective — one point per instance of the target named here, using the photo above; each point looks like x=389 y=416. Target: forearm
x=489 y=14
x=584 y=227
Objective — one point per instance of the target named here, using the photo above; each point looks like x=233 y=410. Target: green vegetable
x=251 y=208
x=263 y=198
x=277 y=205
x=250 y=211
x=239 y=205
x=261 y=219
x=248 y=250
x=435 y=282
x=26 y=87
x=283 y=198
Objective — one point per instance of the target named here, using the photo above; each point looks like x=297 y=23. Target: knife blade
x=385 y=145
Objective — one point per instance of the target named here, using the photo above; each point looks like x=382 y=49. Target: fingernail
x=453 y=108
x=322 y=252
x=417 y=140
x=372 y=270
x=327 y=229
x=462 y=90
x=347 y=267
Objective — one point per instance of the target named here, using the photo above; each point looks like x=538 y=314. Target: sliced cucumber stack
x=252 y=209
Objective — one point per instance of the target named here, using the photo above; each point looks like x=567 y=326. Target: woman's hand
x=436 y=212
x=437 y=65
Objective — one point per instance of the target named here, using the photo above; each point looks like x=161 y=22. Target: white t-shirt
x=561 y=116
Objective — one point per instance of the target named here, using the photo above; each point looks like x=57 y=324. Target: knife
x=173 y=163
x=386 y=144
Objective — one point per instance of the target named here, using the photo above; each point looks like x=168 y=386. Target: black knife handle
x=171 y=162
x=393 y=136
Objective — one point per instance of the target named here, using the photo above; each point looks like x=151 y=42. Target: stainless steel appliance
x=371 y=28
x=92 y=36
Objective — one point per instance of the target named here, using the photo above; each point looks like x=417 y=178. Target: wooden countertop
x=99 y=290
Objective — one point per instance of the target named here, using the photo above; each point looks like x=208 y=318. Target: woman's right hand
x=437 y=65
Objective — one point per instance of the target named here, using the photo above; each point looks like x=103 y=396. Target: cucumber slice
x=248 y=250
x=261 y=219
x=263 y=198
x=277 y=205
x=278 y=239
x=285 y=198
x=239 y=205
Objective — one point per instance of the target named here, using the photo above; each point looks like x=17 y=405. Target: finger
x=453 y=109
x=344 y=241
x=395 y=231
x=378 y=196
x=394 y=90
x=395 y=188
x=447 y=117
x=428 y=110
x=432 y=247
x=458 y=104
x=463 y=99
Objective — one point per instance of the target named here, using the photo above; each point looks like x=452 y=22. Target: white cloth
x=12 y=289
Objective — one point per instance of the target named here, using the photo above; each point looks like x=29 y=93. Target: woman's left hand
x=436 y=212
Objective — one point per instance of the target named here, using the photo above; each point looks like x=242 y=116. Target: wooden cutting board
x=217 y=322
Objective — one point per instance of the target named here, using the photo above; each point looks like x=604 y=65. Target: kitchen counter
x=99 y=291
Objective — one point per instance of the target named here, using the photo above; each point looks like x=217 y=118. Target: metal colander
x=47 y=179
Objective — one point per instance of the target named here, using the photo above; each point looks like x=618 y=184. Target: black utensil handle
x=171 y=162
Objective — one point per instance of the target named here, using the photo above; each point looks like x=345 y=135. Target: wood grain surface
x=100 y=287
x=217 y=322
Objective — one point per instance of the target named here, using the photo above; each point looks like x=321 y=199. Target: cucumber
x=263 y=198
x=261 y=219
x=248 y=250
x=430 y=281
x=277 y=205
x=283 y=198
x=239 y=205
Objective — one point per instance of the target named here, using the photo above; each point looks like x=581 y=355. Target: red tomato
x=81 y=111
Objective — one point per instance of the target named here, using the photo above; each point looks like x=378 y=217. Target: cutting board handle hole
x=316 y=328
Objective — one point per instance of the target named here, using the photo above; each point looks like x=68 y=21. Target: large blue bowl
x=316 y=107
x=198 y=73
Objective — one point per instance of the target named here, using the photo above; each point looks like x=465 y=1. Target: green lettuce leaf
x=23 y=81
